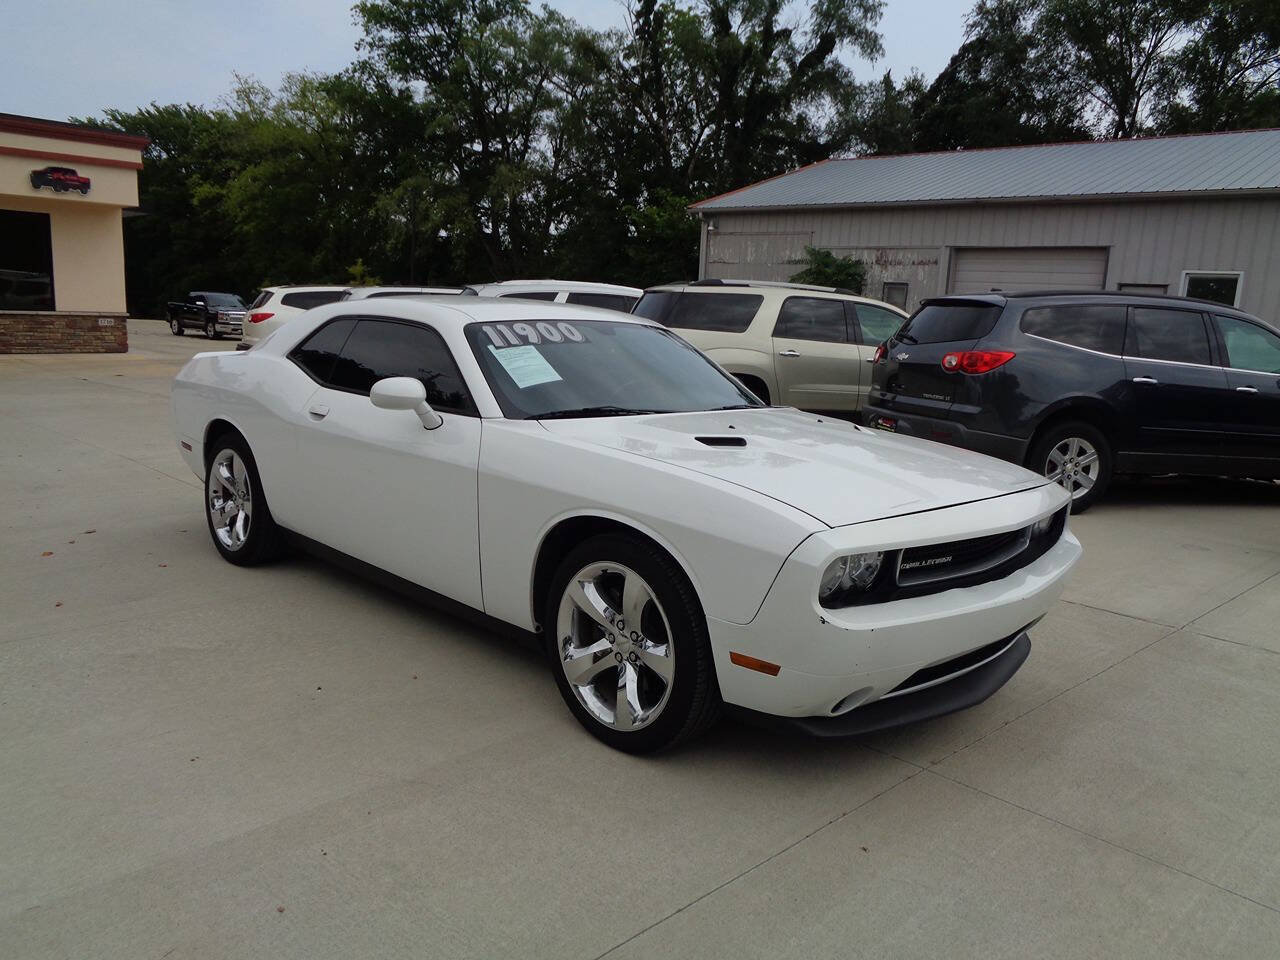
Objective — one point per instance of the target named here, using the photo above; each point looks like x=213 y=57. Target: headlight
x=854 y=572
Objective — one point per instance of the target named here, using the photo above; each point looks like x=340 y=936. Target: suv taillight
x=880 y=352
x=259 y=316
x=976 y=361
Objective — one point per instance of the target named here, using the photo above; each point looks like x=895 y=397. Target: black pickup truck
x=214 y=313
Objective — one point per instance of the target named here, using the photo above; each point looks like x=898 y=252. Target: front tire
x=1077 y=456
x=235 y=507
x=210 y=330
x=628 y=645
x=175 y=327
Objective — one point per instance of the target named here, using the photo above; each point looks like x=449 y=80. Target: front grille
x=939 y=561
x=934 y=567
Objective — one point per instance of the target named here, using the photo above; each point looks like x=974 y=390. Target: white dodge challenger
x=593 y=481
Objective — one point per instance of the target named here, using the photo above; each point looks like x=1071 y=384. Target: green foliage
x=825 y=269
x=358 y=275
x=473 y=140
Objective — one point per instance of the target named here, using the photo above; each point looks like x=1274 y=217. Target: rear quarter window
x=1094 y=327
x=945 y=322
x=722 y=312
x=305 y=300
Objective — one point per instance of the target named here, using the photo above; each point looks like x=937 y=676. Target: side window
x=610 y=301
x=1249 y=346
x=378 y=349
x=722 y=312
x=317 y=353
x=1099 y=327
x=1158 y=334
x=534 y=295
x=305 y=300
x=877 y=323
x=811 y=318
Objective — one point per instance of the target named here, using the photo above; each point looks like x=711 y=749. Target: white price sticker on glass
x=525 y=365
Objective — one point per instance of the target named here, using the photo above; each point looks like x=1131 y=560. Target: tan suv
x=790 y=344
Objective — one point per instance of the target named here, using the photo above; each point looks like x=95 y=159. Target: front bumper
x=1012 y=449
x=968 y=689
x=232 y=329
x=835 y=661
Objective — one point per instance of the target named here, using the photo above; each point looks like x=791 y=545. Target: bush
x=823 y=268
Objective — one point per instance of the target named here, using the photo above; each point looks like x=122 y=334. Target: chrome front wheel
x=614 y=645
x=230 y=499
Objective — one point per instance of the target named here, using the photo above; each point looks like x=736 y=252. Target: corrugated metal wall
x=1151 y=242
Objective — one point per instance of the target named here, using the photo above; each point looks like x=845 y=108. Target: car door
x=1178 y=395
x=1251 y=356
x=193 y=312
x=869 y=326
x=816 y=364
x=375 y=484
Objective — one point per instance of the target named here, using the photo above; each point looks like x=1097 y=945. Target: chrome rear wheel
x=230 y=499
x=1074 y=464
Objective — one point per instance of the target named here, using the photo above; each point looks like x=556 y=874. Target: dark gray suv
x=1080 y=386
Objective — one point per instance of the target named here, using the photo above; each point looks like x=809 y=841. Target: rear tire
x=175 y=327
x=235 y=506
x=1077 y=456
x=641 y=686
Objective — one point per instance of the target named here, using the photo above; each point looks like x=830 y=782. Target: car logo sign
x=900 y=356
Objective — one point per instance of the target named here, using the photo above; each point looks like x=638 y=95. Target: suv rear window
x=945 y=322
x=262 y=297
x=1097 y=327
x=306 y=299
x=723 y=312
x=610 y=301
x=655 y=305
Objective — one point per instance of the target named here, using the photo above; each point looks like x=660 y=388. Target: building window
x=895 y=292
x=1220 y=286
x=1149 y=289
x=26 y=261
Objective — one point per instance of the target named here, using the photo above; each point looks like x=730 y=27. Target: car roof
x=729 y=286
x=450 y=310
x=401 y=290
x=308 y=287
x=1000 y=298
x=580 y=285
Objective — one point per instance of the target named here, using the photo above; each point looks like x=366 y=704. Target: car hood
x=833 y=471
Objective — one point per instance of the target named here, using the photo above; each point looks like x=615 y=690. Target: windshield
x=597 y=368
x=224 y=300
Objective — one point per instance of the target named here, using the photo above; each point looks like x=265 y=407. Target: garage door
x=980 y=270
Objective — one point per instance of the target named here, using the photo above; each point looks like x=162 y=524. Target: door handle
x=788 y=353
x=868 y=359
x=319 y=411
x=1145 y=380
x=1246 y=389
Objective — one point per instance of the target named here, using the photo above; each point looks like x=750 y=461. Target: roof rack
x=713 y=282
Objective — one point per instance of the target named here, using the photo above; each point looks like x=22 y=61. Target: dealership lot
x=203 y=760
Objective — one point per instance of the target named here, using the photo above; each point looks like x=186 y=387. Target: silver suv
x=790 y=344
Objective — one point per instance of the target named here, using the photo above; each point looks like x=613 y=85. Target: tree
x=1121 y=51
x=825 y=269
x=1227 y=76
x=1003 y=87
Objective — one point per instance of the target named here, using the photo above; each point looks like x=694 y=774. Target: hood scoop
x=723 y=441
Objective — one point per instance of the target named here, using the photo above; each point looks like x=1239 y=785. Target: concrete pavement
x=202 y=761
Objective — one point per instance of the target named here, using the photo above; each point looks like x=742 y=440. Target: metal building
x=1192 y=215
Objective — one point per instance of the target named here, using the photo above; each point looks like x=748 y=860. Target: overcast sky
x=76 y=57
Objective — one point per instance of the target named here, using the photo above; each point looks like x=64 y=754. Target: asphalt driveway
x=198 y=760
